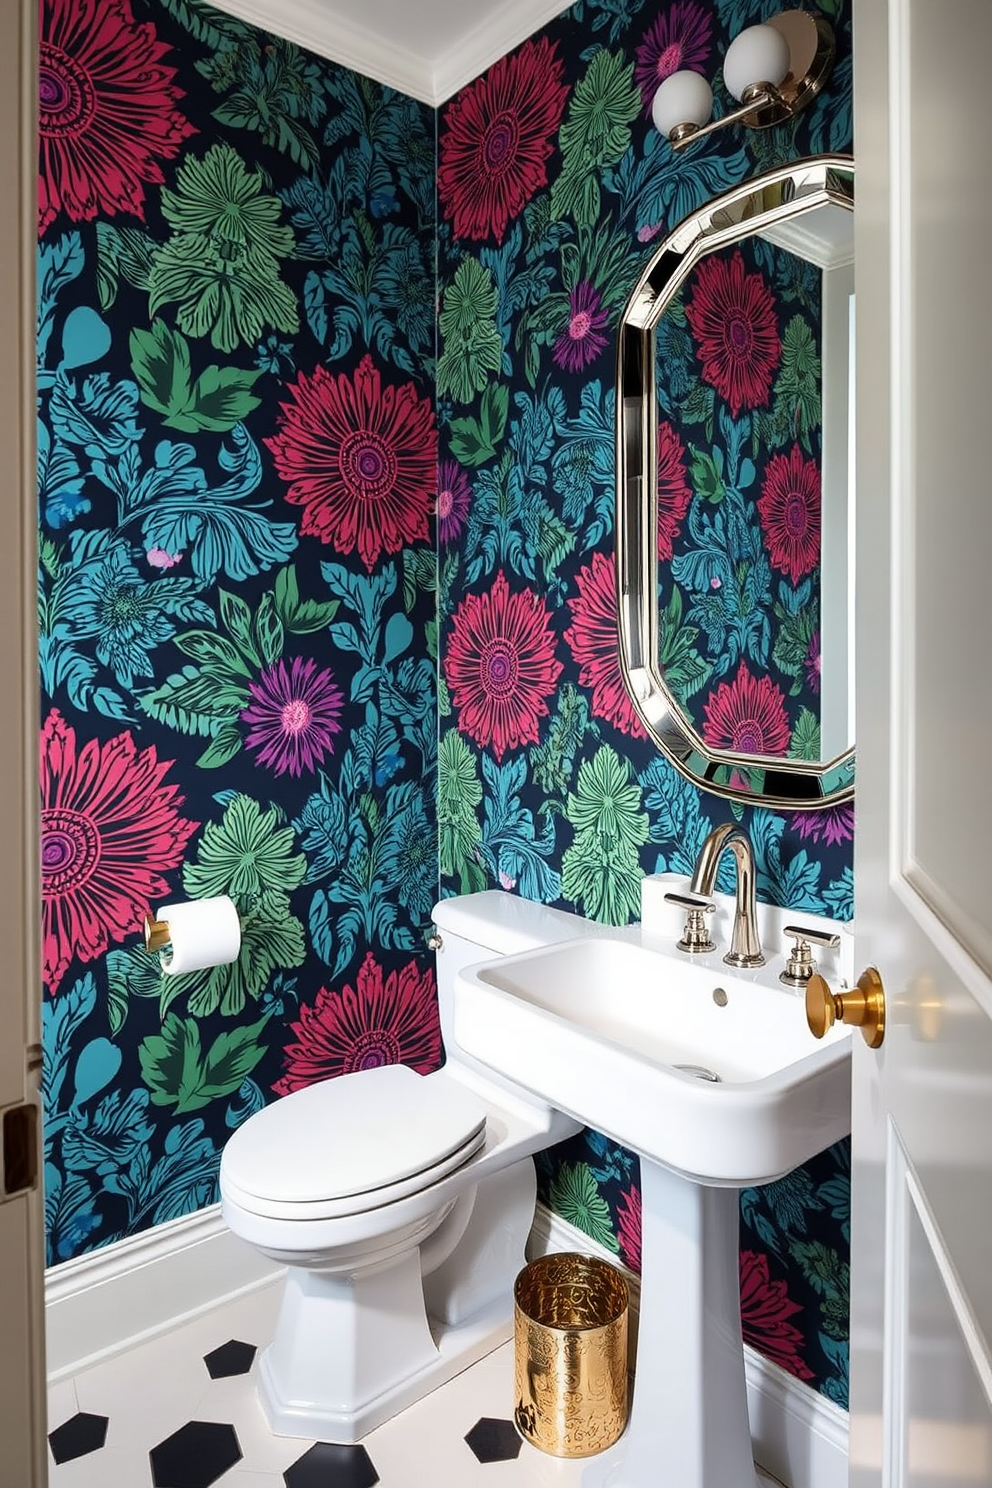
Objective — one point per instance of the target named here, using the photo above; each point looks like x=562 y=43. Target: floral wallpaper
x=326 y=459
x=739 y=388
x=237 y=475
x=553 y=190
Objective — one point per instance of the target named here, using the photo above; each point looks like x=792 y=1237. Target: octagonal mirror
x=735 y=490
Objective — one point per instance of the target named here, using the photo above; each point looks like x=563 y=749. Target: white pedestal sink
x=599 y=1028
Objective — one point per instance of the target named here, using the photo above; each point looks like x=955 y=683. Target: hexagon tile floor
x=181 y=1412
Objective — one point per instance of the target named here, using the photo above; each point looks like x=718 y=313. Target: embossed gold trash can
x=570 y=1354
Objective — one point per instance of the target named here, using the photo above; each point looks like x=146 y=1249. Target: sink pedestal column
x=688 y=1424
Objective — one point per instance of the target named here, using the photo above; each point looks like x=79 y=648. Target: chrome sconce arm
x=774 y=69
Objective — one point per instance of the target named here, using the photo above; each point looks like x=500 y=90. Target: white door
x=922 y=1132
x=23 y=1449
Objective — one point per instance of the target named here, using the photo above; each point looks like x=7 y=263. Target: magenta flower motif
x=454 y=497
x=732 y=317
x=501 y=666
x=673 y=489
x=765 y=1308
x=360 y=458
x=382 y=1020
x=811 y=664
x=496 y=138
x=107 y=115
x=592 y=638
x=110 y=828
x=679 y=39
x=629 y=1224
x=832 y=825
x=581 y=341
x=789 y=508
x=747 y=716
x=293 y=714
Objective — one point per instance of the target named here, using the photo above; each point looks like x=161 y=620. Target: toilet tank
x=479 y=927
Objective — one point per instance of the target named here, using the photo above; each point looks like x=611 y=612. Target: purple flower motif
x=811 y=664
x=292 y=715
x=832 y=825
x=454 y=496
x=680 y=39
x=581 y=342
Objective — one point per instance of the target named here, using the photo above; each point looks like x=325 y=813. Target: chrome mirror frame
x=756 y=780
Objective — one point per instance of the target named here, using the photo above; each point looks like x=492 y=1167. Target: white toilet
x=400 y=1204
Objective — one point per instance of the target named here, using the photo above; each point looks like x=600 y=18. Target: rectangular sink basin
x=627 y=1039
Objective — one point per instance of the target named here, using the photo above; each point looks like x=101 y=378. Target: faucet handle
x=800 y=966
x=695 y=937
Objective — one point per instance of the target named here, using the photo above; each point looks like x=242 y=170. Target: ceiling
x=425 y=48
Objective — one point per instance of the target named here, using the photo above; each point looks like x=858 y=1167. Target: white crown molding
x=799 y=237
x=315 y=25
x=504 y=29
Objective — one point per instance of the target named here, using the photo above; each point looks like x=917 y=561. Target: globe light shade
x=683 y=98
x=760 y=54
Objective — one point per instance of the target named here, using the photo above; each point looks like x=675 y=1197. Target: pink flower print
x=385 y=1019
x=110 y=830
x=496 y=137
x=107 y=114
x=501 y=667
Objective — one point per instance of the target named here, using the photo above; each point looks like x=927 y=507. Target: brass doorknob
x=864 y=1007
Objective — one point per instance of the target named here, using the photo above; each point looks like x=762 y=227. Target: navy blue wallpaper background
x=325 y=387
x=553 y=192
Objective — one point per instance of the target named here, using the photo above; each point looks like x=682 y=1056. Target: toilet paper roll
x=202 y=933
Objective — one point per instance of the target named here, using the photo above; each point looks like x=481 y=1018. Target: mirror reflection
x=735 y=502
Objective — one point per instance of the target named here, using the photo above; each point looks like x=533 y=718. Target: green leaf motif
x=268 y=630
x=473 y=347
x=601 y=869
x=222 y=748
x=459 y=796
x=300 y=616
x=220 y=267
x=194 y=702
x=236 y=617
x=474 y=441
x=595 y=134
x=272 y=939
x=131 y=973
x=160 y=359
x=178 y=1072
x=213 y=650
x=219 y=399
x=245 y=855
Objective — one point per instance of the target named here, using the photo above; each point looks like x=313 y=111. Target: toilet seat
x=351 y=1144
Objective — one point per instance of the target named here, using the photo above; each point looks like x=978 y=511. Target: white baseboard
x=99 y=1305
x=107 y=1301
x=799 y=1436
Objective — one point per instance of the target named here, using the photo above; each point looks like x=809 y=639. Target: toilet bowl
x=400 y=1205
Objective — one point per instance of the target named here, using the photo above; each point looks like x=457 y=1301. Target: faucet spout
x=745 y=945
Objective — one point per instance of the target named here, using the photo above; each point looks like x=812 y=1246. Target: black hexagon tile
x=231 y=1358
x=195 y=1456
x=79 y=1435
x=494 y=1441
x=330 y=1466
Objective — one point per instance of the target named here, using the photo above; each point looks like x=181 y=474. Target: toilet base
x=353 y=1346
x=456 y=1349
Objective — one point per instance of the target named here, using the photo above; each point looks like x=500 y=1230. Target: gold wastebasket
x=570 y=1354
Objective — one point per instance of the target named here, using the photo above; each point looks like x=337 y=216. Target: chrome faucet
x=745 y=947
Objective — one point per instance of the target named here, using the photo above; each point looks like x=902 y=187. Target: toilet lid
x=353 y=1135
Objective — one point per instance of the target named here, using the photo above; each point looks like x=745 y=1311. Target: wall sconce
x=774 y=70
